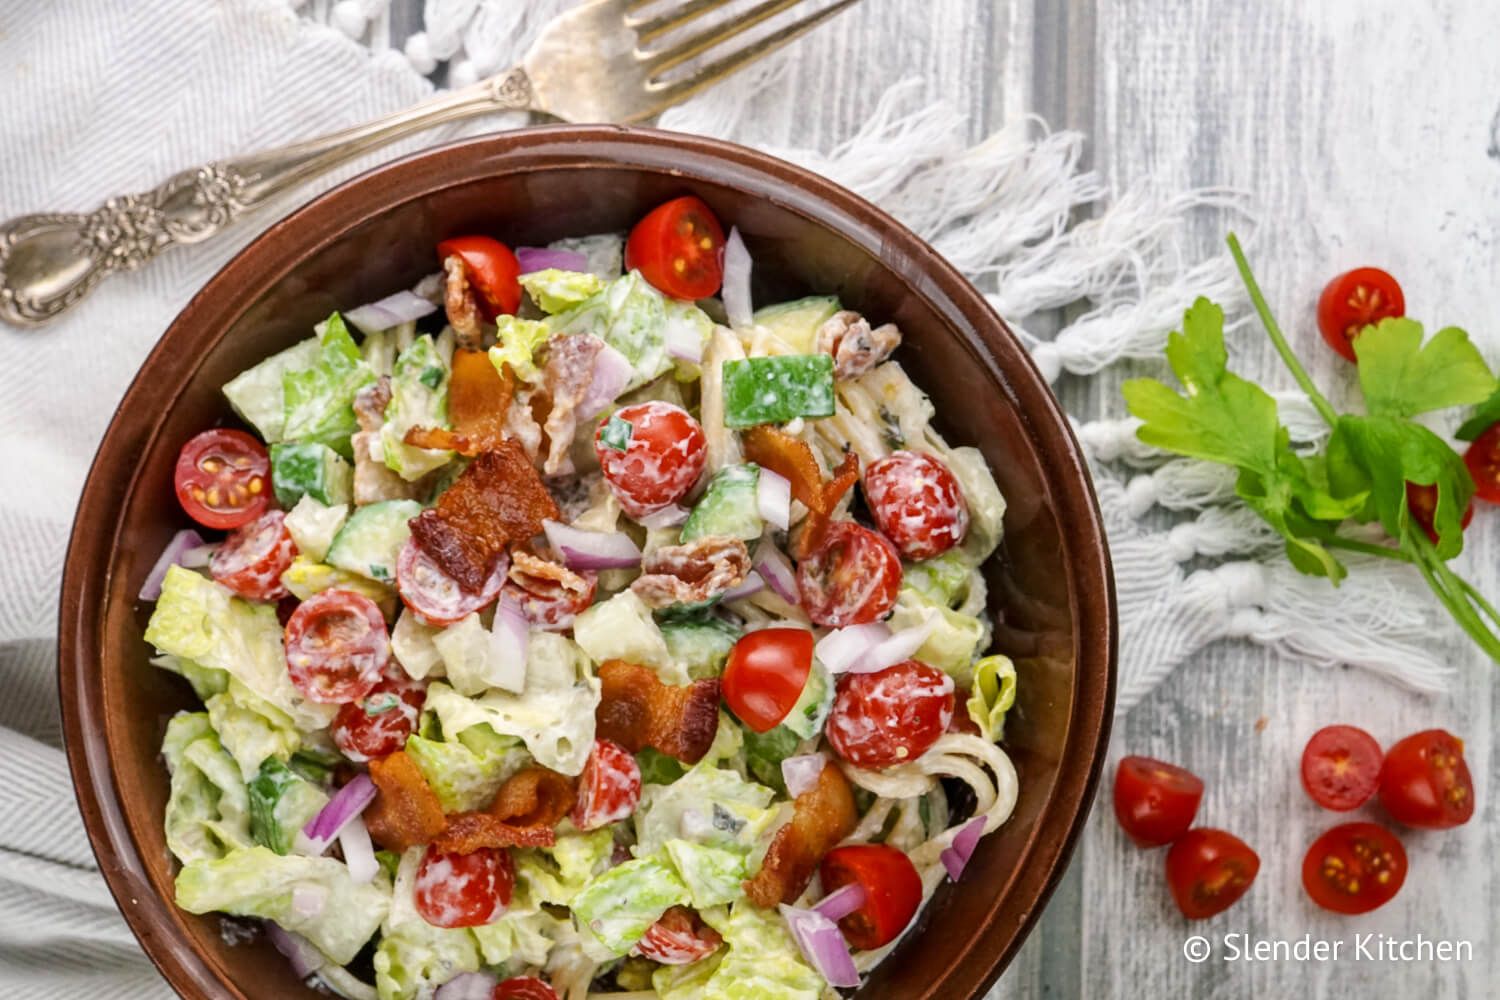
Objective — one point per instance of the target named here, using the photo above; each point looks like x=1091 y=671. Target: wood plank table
x=1360 y=131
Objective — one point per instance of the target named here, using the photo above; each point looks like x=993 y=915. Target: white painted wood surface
x=1360 y=132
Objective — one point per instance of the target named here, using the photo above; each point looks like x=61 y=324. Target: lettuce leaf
x=618 y=906
x=208 y=813
x=464 y=779
x=319 y=400
x=419 y=398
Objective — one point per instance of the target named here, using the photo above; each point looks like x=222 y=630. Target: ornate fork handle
x=48 y=262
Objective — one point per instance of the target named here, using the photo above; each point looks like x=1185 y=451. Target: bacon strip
x=697 y=571
x=478 y=398
x=637 y=710
x=406 y=811
x=525 y=813
x=567 y=376
x=460 y=302
x=499 y=499
x=775 y=449
x=821 y=817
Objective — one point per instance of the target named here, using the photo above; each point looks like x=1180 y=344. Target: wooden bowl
x=1051 y=585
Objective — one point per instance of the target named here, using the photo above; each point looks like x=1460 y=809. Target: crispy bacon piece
x=461 y=304
x=856 y=348
x=499 y=499
x=775 y=449
x=637 y=710
x=697 y=571
x=525 y=813
x=406 y=811
x=478 y=398
x=821 y=817
x=568 y=373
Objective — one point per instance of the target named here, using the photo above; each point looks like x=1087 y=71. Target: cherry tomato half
x=434 y=596
x=680 y=937
x=223 y=478
x=1483 y=460
x=893 y=891
x=337 y=647
x=916 y=503
x=523 y=988
x=890 y=716
x=253 y=557
x=765 y=675
x=1425 y=781
x=1208 y=870
x=1353 y=301
x=659 y=463
x=492 y=270
x=1155 y=802
x=1341 y=767
x=1422 y=500
x=379 y=723
x=853 y=577
x=679 y=248
x=609 y=787
x=1354 y=868
x=464 y=890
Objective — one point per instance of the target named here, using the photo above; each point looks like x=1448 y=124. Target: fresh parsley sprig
x=1362 y=473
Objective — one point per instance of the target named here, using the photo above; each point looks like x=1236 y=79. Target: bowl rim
x=328 y=218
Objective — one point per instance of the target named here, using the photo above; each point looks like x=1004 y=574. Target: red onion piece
x=669 y=516
x=822 y=944
x=359 y=852
x=801 y=773
x=778 y=572
x=393 y=310
x=347 y=803
x=508 y=641
x=185 y=541
x=841 y=648
x=467 y=986
x=612 y=373
x=773 y=496
x=582 y=549
x=545 y=258
x=841 y=902
x=956 y=857
x=737 y=282
x=752 y=584
x=199 y=556
x=305 y=958
x=895 y=649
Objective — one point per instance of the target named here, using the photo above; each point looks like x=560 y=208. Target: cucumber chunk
x=807 y=716
x=728 y=506
x=796 y=323
x=370 y=542
x=307 y=468
x=700 y=647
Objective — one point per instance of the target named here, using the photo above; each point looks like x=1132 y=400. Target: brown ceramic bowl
x=1051 y=584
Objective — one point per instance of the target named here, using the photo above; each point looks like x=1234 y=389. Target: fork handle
x=50 y=261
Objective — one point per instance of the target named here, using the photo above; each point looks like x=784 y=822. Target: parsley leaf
x=1401 y=377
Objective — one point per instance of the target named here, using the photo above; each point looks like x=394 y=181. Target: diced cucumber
x=779 y=389
x=807 y=716
x=307 y=468
x=797 y=322
x=256 y=393
x=371 y=541
x=728 y=506
x=700 y=647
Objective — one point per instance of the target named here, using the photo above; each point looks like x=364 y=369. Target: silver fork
x=595 y=63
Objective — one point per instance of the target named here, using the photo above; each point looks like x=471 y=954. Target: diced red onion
x=185 y=541
x=737 y=282
x=545 y=258
x=669 y=516
x=359 y=853
x=895 y=649
x=582 y=549
x=752 y=584
x=612 y=373
x=431 y=287
x=841 y=902
x=683 y=341
x=801 y=773
x=778 y=572
x=841 y=648
x=200 y=556
x=773 y=496
x=393 y=310
x=508 y=641
x=305 y=958
x=956 y=856
x=822 y=944
x=468 y=986
x=308 y=901
x=347 y=803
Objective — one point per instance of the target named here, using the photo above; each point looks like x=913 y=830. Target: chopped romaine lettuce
x=470 y=661
x=700 y=647
x=985 y=501
x=281 y=803
x=521 y=939
x=764 y=753
x=313 y=526
x=709 y=805
x=413 y=644
x=257 y=394
x=657 y=768
x=419 y=398
x=205 y=681
x=778 y=389
x=319 y=400
x=942 y=579
x=713 y=875
x=465 y=779
x=993 y=695
x=556 y=874
x=763 y=962
x=622 y=628
x=955 y=641
x=516 y=345
x=618 y=906
x=208 y=814
x=251 y=728
x=686 y=982
x=557 y=291
x=414 y=957
x=628 y=315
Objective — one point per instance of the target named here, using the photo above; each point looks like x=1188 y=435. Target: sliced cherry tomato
x=434 y=596
x=253 y=557
x=659 y=463
x=1425 y=781
x=1341 y=767
x=379 y=723
x=1354 y=868
x=890 y=716
x=464 y=890
x=679 y=248
x=492 y=270
x=609 y=788
x=1353 y=301
x=893 y=891
x=337 y=647
x=765 y=675
x=523 y=988
x=1155 y=802
x=1422 y=501
x=223 y=478
x=916 y=503
x=1208 y=870
x=1483 y=460
x=851 y=578
x=680 y=937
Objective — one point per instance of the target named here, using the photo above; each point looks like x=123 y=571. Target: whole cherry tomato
x=662 y=455
x=917 y=503
x=609 y=787
x=1354 y=868
x=1208 y=870
x=379 y=723
x=1425 y=781
x=223 y=478
x=492 y=270
x=1422 y=500
x=1155 y=802
x=464 y=890
x=1483 y=460
x=1341 y=767
x=851 y=578
x=1353 y=301
x=680 y=937
x=337 y=647
x=253 y=557
x=890 y=716
x=893 y=891
x=765 y=675
x=679 y=248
